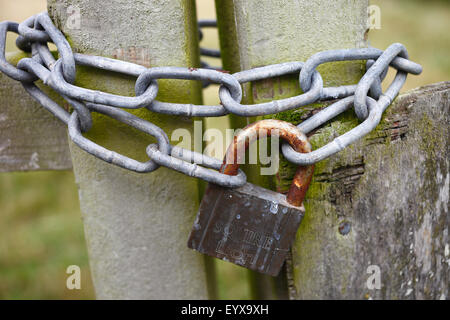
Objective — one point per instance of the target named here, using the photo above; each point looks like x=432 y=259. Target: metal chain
x=366 y=97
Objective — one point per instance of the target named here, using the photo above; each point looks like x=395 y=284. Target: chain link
x=366 y=97
x=227 y=81
x=272 y=107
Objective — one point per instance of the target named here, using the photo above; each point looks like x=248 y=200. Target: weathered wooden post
x=136 y=225
x=378 y=208
x=31 y=138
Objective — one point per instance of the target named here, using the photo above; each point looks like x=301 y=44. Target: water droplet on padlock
x=277 y=236
x=274 y=207
x=285 y=210
x=238 y=216
x=247 y=204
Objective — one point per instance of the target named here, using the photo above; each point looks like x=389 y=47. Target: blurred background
x=41 y=231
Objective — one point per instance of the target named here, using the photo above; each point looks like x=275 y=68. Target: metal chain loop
x=384 y=100
x=58 y=83
x=367 y=97
x=348 y=55
x=376 y=89
x=30 y=34
x=204 y=51
x=64 y=49
x=179 y=161
x=111 y=156
x=276 y=106
x=5 y=67
x=43 y=53
x=213 y=76
x=339 y=143
x=375 y=72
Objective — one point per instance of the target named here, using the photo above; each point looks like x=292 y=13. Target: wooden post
x=380 y=208
x=363 y=189
x=136 y=225
x=257 y=33
x=31 y=138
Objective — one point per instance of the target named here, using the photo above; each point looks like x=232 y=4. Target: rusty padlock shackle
x=288 y=132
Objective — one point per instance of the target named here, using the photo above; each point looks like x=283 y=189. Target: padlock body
x=250 y=226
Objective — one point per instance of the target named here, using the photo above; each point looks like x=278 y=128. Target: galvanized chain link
x=366 y=97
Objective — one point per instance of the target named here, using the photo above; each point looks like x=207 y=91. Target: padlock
x=251 y=226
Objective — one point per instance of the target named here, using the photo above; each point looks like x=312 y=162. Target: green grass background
x=41 y=230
